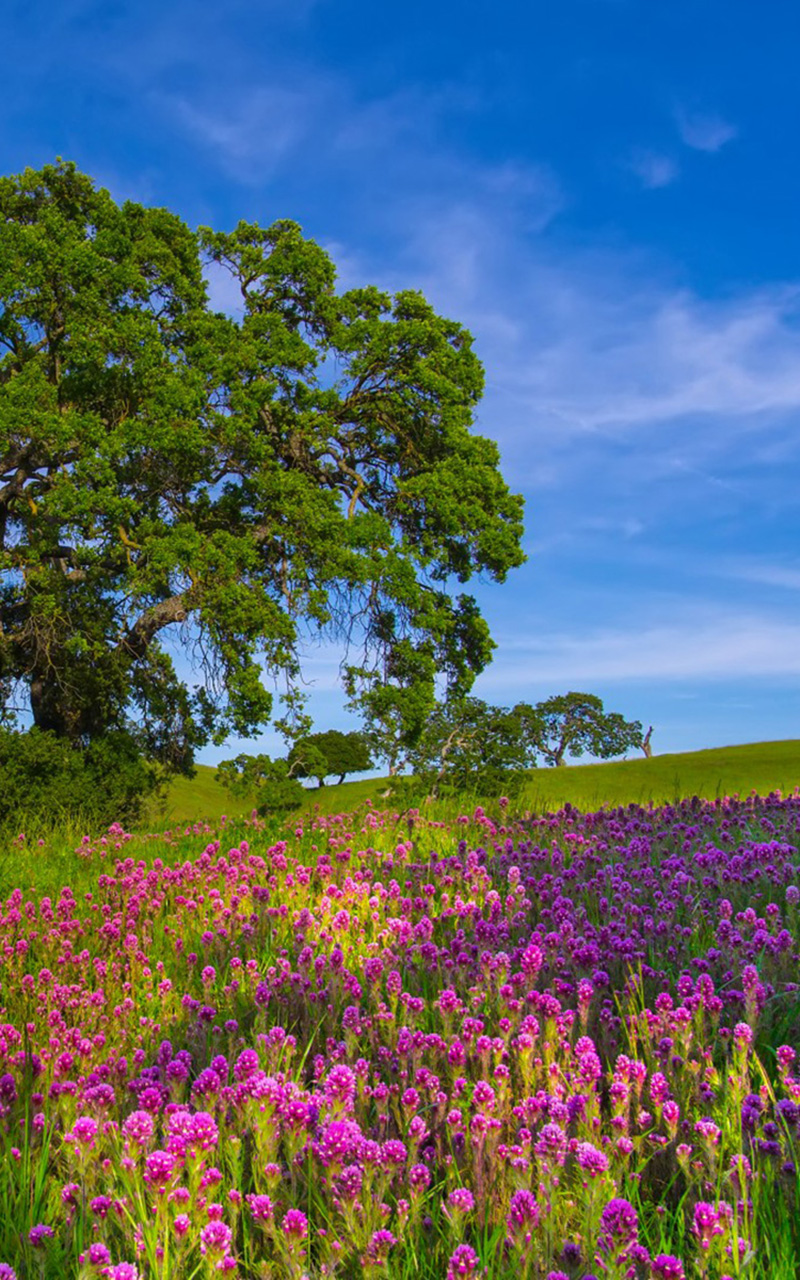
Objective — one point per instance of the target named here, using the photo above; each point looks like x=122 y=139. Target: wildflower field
x=395 y=1046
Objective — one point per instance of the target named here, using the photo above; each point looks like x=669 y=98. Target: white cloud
x=597 y=342
x=700 y=645
x=652 y=169
x=771 y=575
x=704 y=132
x=250 y=136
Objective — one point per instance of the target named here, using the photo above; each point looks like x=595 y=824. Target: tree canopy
x=575 y=723
x=187 y=497
x=320 y=755
x=469 y=745
x=271 y=784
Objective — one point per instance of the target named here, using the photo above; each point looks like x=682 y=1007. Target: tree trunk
x=45 y=707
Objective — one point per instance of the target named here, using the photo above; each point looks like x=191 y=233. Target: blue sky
x=606 y=192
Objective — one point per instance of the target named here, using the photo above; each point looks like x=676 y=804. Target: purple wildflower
x=215 y=1239
x=139 y=1127
x=260 y=1208
x=98 y=1255
x=463 y=1262
x=591 y=1160
x=38 y=1234
x=295 y=1224
x=665 y=1266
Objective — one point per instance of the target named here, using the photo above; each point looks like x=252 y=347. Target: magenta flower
x=379 y=1246
x=260 y=1208
x=350 y=1182
x=742 y=1035
x=419 y=1178
x=246 y=1065
x=98 y=1255
x=523 y=1217
x=460 y=1201
x=139 y=1127
x=215 y=1239
x=339 y=1142
x=84 y=1130
x=202 y=1131
x=591 y=1160
x=340 y=1088
x=295 y=1224
x=706 y=1223
x=158 y=1168
x=463 y=1262
x=394 y=1153
x=667 y=1267
x=618 y=1231
x=38 y=1234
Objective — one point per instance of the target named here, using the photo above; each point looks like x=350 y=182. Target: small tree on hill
x=468 y=745
x=333 y=753
x=576 y=723
x=269 y=783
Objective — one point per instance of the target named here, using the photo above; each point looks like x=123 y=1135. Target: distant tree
x=573 y=724
x=269 y=783
x=243 y=774
x=397 y=699
x=468 y=745
x=173 y=477
x=321 y=755
x=645 y=743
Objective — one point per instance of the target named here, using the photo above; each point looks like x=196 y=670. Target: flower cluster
x=485 y=1049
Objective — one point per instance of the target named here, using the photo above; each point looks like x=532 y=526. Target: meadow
x=433 y=1043
x=735 y=770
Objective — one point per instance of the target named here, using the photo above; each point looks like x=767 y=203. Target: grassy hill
x=755 y=766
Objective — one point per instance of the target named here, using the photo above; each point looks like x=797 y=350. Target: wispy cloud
x=604 y=379
x=704 y=131
x=610 y=354
x=712 y=645
x=251 y=135
x=771 y=575
x=653 y=169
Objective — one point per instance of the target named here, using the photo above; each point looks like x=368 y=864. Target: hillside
x=755 y=766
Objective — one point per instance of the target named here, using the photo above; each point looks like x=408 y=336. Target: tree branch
x=138 y=637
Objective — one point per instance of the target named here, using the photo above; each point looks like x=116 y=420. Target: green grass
x=755 y=766
x=722 y=771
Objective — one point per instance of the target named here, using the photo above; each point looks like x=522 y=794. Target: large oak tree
x=242 y=484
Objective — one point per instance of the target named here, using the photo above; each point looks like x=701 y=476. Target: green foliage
x=320 y=755
x=466 y=745
x=469 y=746
x=576 y=723
x=274 y=787
x=280 y=793
x=242 y=775
x=48 y=776
x=165 y=469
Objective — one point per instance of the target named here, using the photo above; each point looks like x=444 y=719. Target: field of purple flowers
x=556 y=1048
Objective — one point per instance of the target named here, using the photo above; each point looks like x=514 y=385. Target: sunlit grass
x=723 y=771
